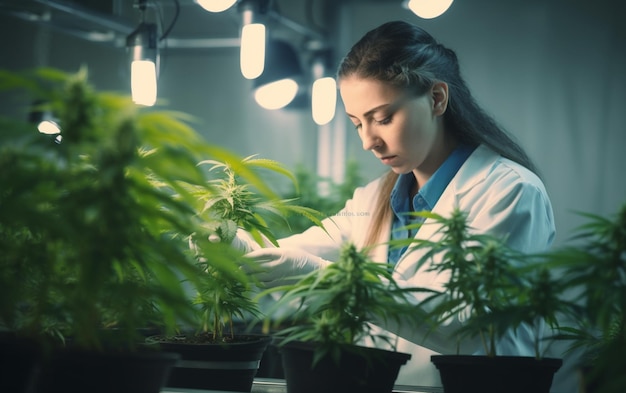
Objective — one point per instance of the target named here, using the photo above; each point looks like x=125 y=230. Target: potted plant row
x=95 y=234
x=493 y=289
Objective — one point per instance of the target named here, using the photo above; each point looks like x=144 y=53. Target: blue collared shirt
x=424 y=200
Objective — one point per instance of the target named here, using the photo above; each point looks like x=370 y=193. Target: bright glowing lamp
x=278 y=85
x=276 y=95
x=49 y=127
x=216 y=5
x=41 y=115
x=143 y=82
x=47 y=123
x=142 y=44
x=324 y=100
x=252 y=55
x=429 y=9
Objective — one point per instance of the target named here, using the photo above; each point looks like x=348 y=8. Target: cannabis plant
x=491 y=288
x=336 y=306
x=233 y=200
x=593 y=272
x=237 y=197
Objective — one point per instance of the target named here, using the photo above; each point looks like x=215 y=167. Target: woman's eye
x=357 y=127
x=384 y=121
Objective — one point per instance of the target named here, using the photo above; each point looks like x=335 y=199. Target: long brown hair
x=382 y=210
x=407 y=57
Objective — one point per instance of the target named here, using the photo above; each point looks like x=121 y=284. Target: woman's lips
x=387 y=160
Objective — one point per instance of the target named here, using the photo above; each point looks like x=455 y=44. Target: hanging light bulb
x=324 y=100
x=252 y=49
x=47 y=123
x=324 y=89
x=143 y=82
x=216 y=5
x=142 y=44
x=428 y=9
x=277 y=94
x=278 y=85
x=49 y=126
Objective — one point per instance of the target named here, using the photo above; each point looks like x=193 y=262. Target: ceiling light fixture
x=278 y=85
x=144 y=54
x=324 y=88
x=47 y=123
x=216 y=5
x=253 y=40
x=142 y=44
x=428 y=9
x=49 y=126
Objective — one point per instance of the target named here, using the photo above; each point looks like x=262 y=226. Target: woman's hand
x=280 y=266
x=242 y=241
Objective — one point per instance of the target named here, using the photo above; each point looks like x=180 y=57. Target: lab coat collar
x=475 y=170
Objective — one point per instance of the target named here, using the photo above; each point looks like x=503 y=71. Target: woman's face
x=405 y=132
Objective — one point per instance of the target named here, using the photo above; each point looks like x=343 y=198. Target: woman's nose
x=369 y=138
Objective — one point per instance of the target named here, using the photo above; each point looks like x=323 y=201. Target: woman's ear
x=439 y=94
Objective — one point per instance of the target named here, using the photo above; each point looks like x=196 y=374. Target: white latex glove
x=242 y=241
x=278 y=266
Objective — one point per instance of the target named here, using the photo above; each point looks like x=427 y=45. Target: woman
x=407 y=100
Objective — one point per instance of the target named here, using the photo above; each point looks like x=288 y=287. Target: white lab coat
x=500 y=196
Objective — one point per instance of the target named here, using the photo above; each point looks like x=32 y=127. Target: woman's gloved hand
x=243 y=241
x=278 y=266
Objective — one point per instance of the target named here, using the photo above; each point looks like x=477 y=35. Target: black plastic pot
x=360 y=369
x=77 y=371
x=225 y=366
x=511 y=374
x=271 y=365
x=19 y=363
